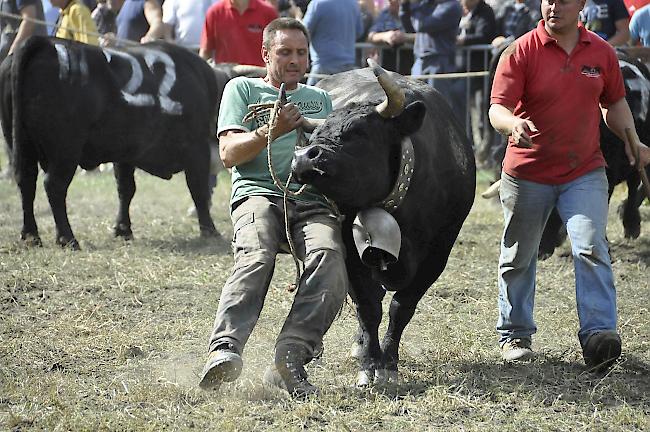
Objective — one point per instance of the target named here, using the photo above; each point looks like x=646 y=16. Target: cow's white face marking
x=130 y=89
x=641 y=85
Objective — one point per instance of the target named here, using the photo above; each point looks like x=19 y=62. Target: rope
x=256 y=110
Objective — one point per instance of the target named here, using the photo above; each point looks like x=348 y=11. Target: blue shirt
x=640 y=26
x=334 y=26
x=385 y=21
x=436 y=24
x=131 y=22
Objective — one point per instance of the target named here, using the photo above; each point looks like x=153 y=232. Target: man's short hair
x=284 y=23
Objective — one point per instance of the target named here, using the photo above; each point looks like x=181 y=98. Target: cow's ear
x=410 y=120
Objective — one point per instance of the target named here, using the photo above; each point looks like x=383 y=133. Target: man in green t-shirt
x=257 y=213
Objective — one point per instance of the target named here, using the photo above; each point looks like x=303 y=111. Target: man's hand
x=644 y=154
x=521 y=131
x=288 y=119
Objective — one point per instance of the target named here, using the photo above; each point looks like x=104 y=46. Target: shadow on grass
x=544 y=381
x=192 y=245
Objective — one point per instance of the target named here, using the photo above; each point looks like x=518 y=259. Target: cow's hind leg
x=197 y=182
x=56 y=182
x=27 y=187
x=125 y=191
x=630 y=215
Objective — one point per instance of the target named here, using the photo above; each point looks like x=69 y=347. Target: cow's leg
x=367 y=295
x=197 y=178
x=553 y=236
x=630 y=216
x=56 y=182
x=125 y=190
x=403 y=304
x=27 y=187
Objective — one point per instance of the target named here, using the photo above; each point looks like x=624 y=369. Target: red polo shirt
x=560 y=94
x=236 y=38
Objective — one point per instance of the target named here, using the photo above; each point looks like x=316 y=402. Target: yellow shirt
x=77 y=16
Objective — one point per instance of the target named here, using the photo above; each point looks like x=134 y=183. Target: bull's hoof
x=71 y=244
x=632 y=232
x=544 y=255
x=365 y=378
x=31 y=239
x=386 y=376
x=208 y=233
x=123 y=231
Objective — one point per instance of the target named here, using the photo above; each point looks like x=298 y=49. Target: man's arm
x=622 y=34
x=153 y=14
x=237 y=147
x=618 y=117
x=504 y=121
x=26 y=28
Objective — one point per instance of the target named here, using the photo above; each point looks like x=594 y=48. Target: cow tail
x=23 y=152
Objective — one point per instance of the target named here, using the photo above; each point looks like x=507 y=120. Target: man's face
x=287 y=58
x=561 y=16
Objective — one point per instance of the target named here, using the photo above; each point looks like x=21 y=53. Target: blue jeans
x=582 y=204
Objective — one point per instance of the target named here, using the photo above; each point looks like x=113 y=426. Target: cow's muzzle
x=306 y=163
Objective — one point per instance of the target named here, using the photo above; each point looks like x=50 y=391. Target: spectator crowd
x=413 y=37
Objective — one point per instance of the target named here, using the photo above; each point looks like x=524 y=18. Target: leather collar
x=401 y=187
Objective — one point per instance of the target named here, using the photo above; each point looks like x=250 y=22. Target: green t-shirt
x=253 y=177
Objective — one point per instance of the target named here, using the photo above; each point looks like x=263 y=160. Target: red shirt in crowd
x=560 y=94
x=236 y=38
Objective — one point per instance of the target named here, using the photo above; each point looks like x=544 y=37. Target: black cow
x=67 y=104
x=361 y=158
x=636 y=77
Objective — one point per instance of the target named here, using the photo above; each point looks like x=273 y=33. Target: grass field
x=114 y=337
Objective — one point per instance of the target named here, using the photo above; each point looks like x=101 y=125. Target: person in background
x=640 y=27
x=258 y=217
x=334 y=27
x=476 y=27
x=516 y=19
x=608 y=19
x=51 y=14
x=140 y=21
x=183 y=20
x=435 y=23
x=292 y=8
x=104 y=16
x=232 y=32
x=13 y=31
x=551 y=88
x=387 y=30
x=75 y=22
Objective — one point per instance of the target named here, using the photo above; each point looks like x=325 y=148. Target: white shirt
x=186 y=17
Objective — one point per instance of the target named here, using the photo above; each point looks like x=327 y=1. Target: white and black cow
x=66 y=104
x=407 y=156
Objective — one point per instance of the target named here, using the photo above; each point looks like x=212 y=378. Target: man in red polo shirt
x=550 y=89
x=232 y=31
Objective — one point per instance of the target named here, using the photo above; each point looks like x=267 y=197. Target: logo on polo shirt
x=591 y=71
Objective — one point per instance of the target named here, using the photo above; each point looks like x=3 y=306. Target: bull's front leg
x=56 y=183
x=370 y=358
x=125 y=191
x=27 y=186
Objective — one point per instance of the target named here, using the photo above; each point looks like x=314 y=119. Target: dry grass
x=113 y=337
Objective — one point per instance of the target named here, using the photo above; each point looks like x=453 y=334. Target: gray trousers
x=259 y=234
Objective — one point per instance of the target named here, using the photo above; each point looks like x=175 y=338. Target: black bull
x=354 y=159
x=66 y=104
x=636 y=78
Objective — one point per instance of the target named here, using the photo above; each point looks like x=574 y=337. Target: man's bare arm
x=618 y=117
x=26 y=28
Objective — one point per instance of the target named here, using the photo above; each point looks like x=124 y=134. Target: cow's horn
x=492 y=191
x=394 y=103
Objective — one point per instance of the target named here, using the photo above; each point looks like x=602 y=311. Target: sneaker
x=514 y=350
x=224 y=365
x=601 y=350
